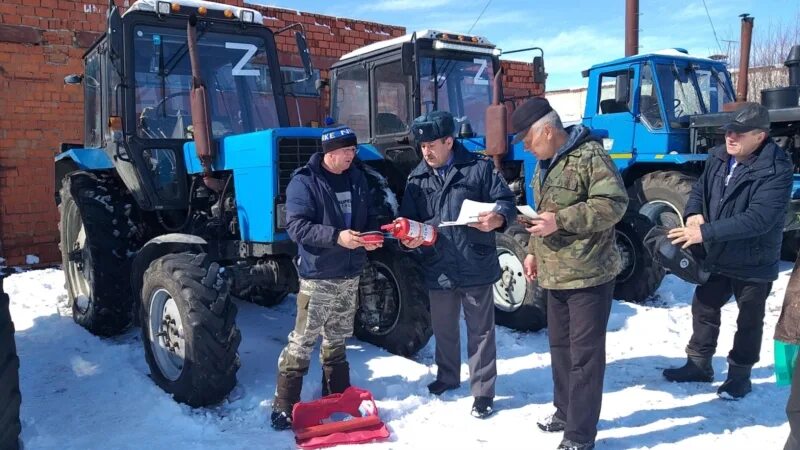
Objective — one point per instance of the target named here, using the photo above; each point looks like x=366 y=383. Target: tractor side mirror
x=74 y=78
x=407 y=58
x=305 y=56
x=539 y=75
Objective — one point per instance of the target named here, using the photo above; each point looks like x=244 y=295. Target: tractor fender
x=89 y=159
x=156 y=248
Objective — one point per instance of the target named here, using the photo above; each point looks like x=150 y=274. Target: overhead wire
x=712 y=26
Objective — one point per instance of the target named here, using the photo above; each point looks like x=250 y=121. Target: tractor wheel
x=519 y=304
x=189 y=328
x=98 y=233
x=394 y=309
x=640 y=276
x=661 y=196
x=9 y=378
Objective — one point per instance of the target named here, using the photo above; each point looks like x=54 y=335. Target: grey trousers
x=478 y=304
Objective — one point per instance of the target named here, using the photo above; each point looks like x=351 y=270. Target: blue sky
x=574 y=33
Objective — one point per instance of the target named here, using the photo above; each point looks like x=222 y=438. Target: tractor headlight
x=248 y=16
x=164 y=7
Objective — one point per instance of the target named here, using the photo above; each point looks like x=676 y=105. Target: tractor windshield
x=688 y=89
x=235 y=69
x=461 y=84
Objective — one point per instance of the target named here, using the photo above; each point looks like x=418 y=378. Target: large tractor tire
x=394 y=308
x=661 y=196
x=98 y=233
x=640 y=276
x=519 y=304
x=10 y=398
x=189 y=328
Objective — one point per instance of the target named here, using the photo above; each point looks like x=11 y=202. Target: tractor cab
x=643 y=104
x=379 y=89
x=137 y=83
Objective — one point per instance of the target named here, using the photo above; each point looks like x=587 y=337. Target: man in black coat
x=462 y=266
x=327 y=206
x=736 y=211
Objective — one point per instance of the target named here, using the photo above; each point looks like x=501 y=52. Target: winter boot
x=737 y=385
x=567 y=444
x=696 y=369
x=439 y=387
x=552 y=424
x=335 y=378
x=482 y=407
x=287 y=393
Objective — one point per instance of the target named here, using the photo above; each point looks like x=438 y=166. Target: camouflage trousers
x=325 y=307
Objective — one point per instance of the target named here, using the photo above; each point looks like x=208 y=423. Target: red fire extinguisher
x=403 y=228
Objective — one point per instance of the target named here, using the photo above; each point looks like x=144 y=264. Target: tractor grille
x=293 y=153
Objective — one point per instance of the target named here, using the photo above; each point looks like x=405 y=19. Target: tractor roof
x=445 y=36
x=666 y=54
x=152 y=6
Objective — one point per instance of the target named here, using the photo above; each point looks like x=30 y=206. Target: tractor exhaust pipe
x=201 y=123
x=631 y=27
x=497 y=125
x=744 y=58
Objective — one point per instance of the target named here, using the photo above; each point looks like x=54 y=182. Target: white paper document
x=470 y=211
x=527 y=211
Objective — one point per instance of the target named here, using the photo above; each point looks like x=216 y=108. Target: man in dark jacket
x=579 y=197
x=327 y=205
x=462 y=266
x=736 y=211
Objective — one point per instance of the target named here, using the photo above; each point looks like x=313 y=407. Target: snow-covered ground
x=81 y=392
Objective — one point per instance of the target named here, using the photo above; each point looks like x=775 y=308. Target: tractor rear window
x=235 y=71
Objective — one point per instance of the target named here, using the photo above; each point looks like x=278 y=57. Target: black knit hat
x=338 y=137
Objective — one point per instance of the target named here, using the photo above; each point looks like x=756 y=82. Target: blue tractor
x=174 y=202
x=660 y=113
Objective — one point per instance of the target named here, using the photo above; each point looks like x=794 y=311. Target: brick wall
x=41 y=41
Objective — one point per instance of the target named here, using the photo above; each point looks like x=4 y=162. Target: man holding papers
x=579 y=197
x=462 y=266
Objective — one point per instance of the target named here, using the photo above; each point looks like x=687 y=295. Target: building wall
x=41 y=41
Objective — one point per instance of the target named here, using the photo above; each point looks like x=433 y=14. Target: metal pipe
x=744 y=57
x=631 y=27
x=201 y=124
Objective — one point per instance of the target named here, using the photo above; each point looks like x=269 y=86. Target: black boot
x=287 y=393
x=737 y=385
x=566 y=444
x=482 y=407
x=696 y=369
x=439 y=387
x=552 y=424
x=335 y=378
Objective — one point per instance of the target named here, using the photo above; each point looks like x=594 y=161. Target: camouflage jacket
x=583 y=187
